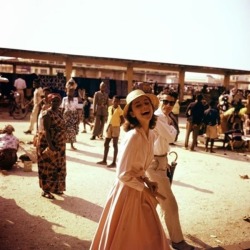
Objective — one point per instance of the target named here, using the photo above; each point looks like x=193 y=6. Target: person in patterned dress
x=71 y=117
x=51 y=150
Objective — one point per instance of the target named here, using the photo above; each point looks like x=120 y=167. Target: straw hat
x=137 y=93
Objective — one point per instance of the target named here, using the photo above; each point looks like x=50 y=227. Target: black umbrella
x=171 y=169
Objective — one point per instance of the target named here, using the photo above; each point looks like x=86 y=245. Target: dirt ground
x=212 y=197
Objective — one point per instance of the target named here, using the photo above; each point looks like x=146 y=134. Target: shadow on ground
x=33 y=233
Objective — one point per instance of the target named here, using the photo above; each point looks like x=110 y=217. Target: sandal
x=48 y=195
x=246 y=218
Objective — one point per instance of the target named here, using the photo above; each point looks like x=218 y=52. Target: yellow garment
x=114 y=116
x=231 y=110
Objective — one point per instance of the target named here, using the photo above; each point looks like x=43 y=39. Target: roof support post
x=51 y=71
x=68 y=69
x=226 y=80
x=130 y=76
x=14 y=68
x=181 y=82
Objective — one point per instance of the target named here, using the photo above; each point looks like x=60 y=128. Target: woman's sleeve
x=131 y=163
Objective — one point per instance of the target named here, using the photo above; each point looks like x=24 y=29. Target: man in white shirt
x=20 y=85
x=165 y=134
x=37 y=98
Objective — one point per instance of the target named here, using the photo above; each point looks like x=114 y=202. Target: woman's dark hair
x=132 y=122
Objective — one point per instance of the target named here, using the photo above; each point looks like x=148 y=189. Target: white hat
x=137 y=93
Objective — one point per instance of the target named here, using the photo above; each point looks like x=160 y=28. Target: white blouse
x=69 y=105
x=135 y=155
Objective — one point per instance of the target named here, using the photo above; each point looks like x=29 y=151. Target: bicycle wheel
x=11 y=109
x=18 y=113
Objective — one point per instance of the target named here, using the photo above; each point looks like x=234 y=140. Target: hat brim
x=154 y=100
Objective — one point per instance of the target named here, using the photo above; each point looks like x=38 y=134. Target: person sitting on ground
x=9 y=145
x=115 y=120
x=234 y=136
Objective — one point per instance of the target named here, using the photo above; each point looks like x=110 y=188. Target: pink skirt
x=129 y=221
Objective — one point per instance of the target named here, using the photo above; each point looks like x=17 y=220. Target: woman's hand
x=153 y=186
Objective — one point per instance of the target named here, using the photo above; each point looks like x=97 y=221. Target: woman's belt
x=164 y=155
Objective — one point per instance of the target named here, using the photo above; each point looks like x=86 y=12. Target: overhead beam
x=59 y=57
x=31 y=55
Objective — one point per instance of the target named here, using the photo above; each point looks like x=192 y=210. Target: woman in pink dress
x=129 y=219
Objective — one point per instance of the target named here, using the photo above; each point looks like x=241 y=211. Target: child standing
x=129 y=219
x=115 y=120
x=86 y=113
x=212 y=121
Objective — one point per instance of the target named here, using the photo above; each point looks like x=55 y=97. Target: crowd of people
x=218 y=117
x=129 y=219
